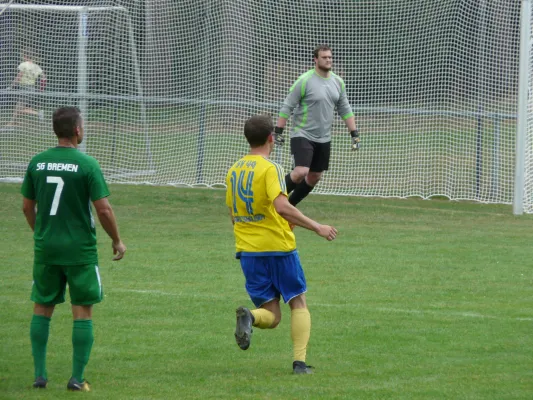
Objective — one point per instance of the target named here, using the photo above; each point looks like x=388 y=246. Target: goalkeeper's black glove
x=278 y=137
x=355 y=139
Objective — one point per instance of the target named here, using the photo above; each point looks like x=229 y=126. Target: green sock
x=39 y=330
x=82 y=343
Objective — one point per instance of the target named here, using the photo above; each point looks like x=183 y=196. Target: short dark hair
x=257 y=129
x=319 y=48
x=65 y=120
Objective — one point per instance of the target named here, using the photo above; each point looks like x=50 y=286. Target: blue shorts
x=268 y=276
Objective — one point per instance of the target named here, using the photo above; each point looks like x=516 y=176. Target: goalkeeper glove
x=355 y=139
x=278 y=138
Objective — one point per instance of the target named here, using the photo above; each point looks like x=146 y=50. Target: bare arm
x=17 y=79
x=107 y=218
x=42 y=81
x=282 y=122
x=296 y=217
x=109 y=223
x=231 y=216
x=28 y=208
x=350 y=123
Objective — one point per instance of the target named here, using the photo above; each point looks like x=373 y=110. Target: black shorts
x=312 y=155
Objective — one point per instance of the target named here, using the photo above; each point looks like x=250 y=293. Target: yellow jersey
x=252 y=184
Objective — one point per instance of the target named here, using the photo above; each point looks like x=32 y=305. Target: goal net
x=166 y=86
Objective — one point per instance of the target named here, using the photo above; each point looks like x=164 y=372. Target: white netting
x=433 y=85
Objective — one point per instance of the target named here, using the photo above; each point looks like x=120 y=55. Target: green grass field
x=414 y=300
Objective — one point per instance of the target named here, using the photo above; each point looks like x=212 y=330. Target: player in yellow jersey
x=261 y=213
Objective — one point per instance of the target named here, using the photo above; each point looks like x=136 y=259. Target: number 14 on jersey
x=241 y=188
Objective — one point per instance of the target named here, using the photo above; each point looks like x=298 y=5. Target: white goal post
x=166 y=86
x=523 y=189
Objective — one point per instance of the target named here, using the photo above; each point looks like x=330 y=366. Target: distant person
x=29 y=79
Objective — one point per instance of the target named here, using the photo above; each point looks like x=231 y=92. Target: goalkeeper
x=313 y=97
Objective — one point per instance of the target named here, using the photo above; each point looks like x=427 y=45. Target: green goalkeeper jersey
x=63 y=181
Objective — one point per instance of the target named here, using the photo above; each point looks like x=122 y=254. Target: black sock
x=300 y=192
x=289 y=183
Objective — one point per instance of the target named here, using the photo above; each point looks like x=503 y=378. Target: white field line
x=174 y=294
x=466 y=314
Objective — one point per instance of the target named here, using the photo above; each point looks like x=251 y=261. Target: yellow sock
x=300 y=332
x=263 y=318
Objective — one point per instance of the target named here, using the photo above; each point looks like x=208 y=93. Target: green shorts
x=50 y=282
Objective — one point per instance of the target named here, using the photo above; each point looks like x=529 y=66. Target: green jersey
x=63 y=181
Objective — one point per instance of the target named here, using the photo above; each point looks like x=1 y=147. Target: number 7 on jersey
x=57 y=195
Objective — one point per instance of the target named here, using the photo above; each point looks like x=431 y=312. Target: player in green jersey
x=59 y=185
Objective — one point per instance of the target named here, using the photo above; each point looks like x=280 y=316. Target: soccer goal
x=88 y=55
x=165 y=87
